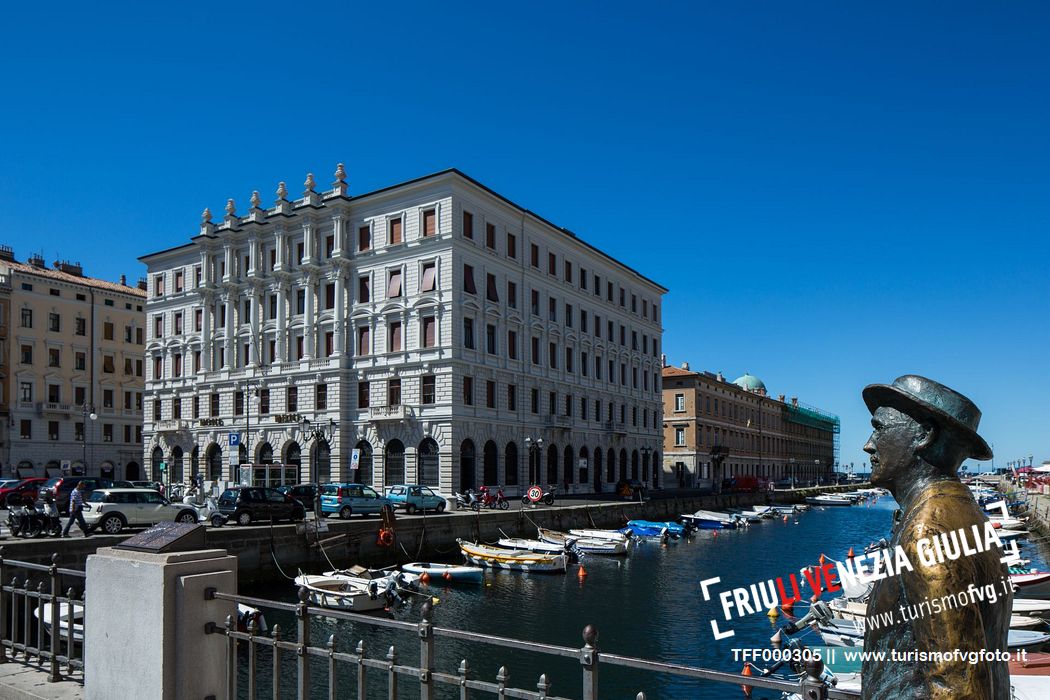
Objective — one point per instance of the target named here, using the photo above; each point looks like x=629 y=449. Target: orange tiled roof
x=75 y=279
x=677 y=372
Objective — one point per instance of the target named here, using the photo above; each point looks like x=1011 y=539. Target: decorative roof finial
x=340 y=174
x=255 y=199
x=309 y=184
x=231 y=208
x=206 y=216
x=282 y=191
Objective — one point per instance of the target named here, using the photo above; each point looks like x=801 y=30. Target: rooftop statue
x=923 y=431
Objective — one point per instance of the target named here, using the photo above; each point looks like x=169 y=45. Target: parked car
x=60 y=486
x=413 y=497
x=304 y=493
x=155 y=485
x=113 y=509
x=245 y=504
x=347 y=499
x=18 y=491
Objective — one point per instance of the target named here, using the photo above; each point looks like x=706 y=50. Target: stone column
x=206 y=321
x=309 y=317
x=154 y=605
x=230 y=360
x=282 y=338
x=340 y=320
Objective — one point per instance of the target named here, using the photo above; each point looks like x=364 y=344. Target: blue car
x=347 y=499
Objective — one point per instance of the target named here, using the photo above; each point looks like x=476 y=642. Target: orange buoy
x=424 y=577
x=714 y=533
x=788 y=606
x=849 y=554
x=785 y=518
x=746 y=672
x=582 y=572
x=815 y=597
x=822 y=560
x=447 y=576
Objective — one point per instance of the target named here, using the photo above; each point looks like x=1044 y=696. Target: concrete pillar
x=144 y=624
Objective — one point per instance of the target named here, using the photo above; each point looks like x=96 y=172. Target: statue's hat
x=947 y=408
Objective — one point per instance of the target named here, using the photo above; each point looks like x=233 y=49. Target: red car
x=25 y=491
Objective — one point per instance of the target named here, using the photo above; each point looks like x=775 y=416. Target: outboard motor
x=572 y=552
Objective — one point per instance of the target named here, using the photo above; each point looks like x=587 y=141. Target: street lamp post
x=89 y=412
x=316 y=431
x=791 y=461
x=646 y=452
x=816 y=463
x=533 y=445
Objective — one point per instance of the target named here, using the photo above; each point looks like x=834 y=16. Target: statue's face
x=892 y=445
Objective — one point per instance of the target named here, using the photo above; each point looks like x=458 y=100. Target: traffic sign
x=355 y=459
x=162 y=466
x=235 y=439
x=535 y=493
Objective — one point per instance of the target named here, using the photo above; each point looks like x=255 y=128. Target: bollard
x=589 y=661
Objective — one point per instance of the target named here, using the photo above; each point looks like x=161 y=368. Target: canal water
x=648 y=605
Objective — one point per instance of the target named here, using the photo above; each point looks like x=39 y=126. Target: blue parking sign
x=235 y=439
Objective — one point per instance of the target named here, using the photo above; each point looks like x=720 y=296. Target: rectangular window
x=393 y=288
x=568 y=360
x=512 y=345
x=54 y=356
x=679 y=436
x=583 y=321
x=568 y=315
x=583 y=407
x=468 y=225
x=679 y=402
x=535 y=350
x=427 y=390
x=300 y=347
x=535 y=302
x=552 y=355
x=127 y=365
x=429 y=334
x=568 y=404
x=512 y=295
x=177 y=364
x=364 y=291
x=429 y=223
x=490 y=288
x=27 y=354
x=534 y=255
x=490 y=236
x=583 y=278
x=178 y=324
x=158 y=326
x=27 y=318
x=329 y=343
x=54 y=324
x=597 y=367
x=552 y=264
x=468 y=280
x=552 y=309
x=81 y=326
x=176 y=408
x=214 y=405
x=26 y=429
x=108 y=365
x=512 y=245
x=329 y=296
x=363 y=341
x=321 y=397
x=534 y=401
x=52 y=430
x=394 y=336
x=512 y=397
x=609 y=291
x=107 y=432
x=300 y=304
x=329 y=246
x=238 y=403
x=568 y=271
x=54 y=395
x=363 y=389
x=584 y=364
x=292 y=397
x=490 y=339
x=621 y=298
x=394 y=231
x=158 y=286
x=264 y=402
x=364 y=238
x=552 y=402
x=468 y=391
x=198 y=316
x=393 y=392
x=429 y=278
x=468 y=333
x=80 y=363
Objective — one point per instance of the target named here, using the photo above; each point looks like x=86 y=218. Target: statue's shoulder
x=941 y=507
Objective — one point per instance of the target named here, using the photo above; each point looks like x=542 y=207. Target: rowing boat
x=513 y=559
x=446 y=572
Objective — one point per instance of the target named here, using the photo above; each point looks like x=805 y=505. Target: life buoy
x=386 y=537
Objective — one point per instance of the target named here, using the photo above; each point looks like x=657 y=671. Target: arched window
x=265 y=453
x=176 y=465
x=322 y=462
x=195 y=462
x=363 y=474
x=623 y=465
x=584 y=464
x=490 y=470
x=570 y=465
x=466 y=466
x=634 y=465
x=293 y=456
x=510 y=464
x=552 y=465
x=132 y=471
x=428 y=471
x=156 y=457
x=611 y=467
x=214 y=457
x=394 y=463
x=242 y=454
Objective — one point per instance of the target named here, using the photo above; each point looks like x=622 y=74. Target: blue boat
x=675 y=529
x=709 y=520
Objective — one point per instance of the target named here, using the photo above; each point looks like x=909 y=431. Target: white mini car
x=111 y=510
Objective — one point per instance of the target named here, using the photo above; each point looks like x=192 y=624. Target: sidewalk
x=19 y=681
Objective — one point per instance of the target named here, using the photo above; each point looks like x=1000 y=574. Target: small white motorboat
x=1035 y=584
x=63 y=620
x=600 y=535
x=1031 y=606
x=585 y=545
x=531 y=545
x=342 y=593
x=383 y=578
x=446 y=572
x=827 y=500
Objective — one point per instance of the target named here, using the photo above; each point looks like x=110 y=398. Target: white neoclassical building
x=447 y=335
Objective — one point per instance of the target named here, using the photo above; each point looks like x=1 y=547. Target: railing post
x=812 y=687
x=40 y=623
x=55 y=610
x=391 y=683
x=231 y=659
x=253 y=627
x=3 y=611
x=426 y=653
x=331 y=667
x=543 y=686
x=302 y=614
x=502 y=678
x=589 y=661
x=276 y=672
x=464 y=675
x=14 y=616
x=69 y=632
x=361 y=669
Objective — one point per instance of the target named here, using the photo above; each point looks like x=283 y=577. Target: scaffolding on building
x=813 y=417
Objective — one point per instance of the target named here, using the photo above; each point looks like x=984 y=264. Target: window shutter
x=491 y=292
x=468 y=280
x=428 y=332
x=429 y=222
x=395 y=337
x=394 y=288
x=395 y=231
x=364 y=238
x=429 y=278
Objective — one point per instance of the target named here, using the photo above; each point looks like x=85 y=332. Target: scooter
x=33 y=521
x=494 y=500
x=207 y=509
x=468 y=500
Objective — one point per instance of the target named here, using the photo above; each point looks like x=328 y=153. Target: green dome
x=750 y=382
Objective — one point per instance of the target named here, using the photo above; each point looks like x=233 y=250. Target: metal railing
x=387 y=669
x=38 y=624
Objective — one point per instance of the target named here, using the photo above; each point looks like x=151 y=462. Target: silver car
x=111 y=510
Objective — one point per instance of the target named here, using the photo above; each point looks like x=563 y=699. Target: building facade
x=74 y=371
x=431 y=332
x=715 y=430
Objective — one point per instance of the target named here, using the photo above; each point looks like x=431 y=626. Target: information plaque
x=163 y=538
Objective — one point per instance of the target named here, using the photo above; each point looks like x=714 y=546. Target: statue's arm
x=953 y=627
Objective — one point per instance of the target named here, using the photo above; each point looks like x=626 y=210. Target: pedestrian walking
x=76 y=511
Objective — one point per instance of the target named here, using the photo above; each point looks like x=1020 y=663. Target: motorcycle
x=35 y=520
x=494 y=500
x=536 y=494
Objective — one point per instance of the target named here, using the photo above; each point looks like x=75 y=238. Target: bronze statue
x=923 y=431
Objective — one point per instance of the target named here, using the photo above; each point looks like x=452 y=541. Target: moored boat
x=584 y=545
x=531 y=545
x=446 y=572
x=600 y=534
x=827 y=500
x=676 y=529
x=513 y=559
x=341 y=593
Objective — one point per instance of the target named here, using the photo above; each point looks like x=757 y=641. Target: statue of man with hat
x=923 y=431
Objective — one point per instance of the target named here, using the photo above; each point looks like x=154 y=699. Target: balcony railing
x=54 y=407
x=392 y=413
x=169 y=426
x=558 y=421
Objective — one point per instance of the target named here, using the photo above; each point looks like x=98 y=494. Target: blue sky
x=834 y=194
